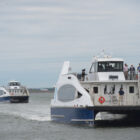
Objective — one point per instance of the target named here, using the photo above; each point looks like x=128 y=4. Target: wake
x=33 y=113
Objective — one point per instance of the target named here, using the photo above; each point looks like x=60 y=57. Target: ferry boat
x=18 y=93
x=4 y=95
x=78 y=99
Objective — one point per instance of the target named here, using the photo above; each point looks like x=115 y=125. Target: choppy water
x=32 y=122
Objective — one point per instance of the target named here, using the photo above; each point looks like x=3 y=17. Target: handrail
x=139 y=82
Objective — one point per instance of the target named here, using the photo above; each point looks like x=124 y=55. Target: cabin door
x=97 y=95
x=132 y=95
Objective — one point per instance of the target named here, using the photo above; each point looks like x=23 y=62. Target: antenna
x=102 y=54
x=110 y=54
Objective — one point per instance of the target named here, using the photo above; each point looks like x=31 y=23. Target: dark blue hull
x=19 y=99
x=3 y=99
x=77 y=115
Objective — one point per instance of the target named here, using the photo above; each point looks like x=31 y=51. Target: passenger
x=83 y=75
x=138 y=68
x=121 y=94
x=125 y=69
x=132 y=72
x=110 y=68
x=100 y=68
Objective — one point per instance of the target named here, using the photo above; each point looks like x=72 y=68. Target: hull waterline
x=72 y=115
x=19 y=99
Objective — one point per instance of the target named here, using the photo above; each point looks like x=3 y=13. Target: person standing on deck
x=83 y=75
x=132 y=72
x=125 y=69
x=121 y=94
x=138 y=68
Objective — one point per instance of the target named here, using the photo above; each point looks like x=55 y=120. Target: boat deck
x=110 y=81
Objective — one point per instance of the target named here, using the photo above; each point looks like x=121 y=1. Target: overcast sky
x=36 y=36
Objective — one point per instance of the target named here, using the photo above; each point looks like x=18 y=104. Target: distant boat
x=18 y=93
x=4 y=95
x=44 y=89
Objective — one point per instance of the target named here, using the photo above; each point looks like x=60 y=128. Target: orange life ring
x=101 y=100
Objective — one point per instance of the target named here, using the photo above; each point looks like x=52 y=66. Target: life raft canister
x=101 y=99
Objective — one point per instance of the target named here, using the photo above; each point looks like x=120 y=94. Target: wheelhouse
x=105 y=65
x=14 y=83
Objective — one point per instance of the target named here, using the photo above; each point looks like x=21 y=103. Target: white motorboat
x=77 y=99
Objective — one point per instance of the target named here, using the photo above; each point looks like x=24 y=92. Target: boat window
x=105 y=89
x=1 y=92
x=79 y=94
x=95 y=90
x=25 y=91
x=110 y=66
x=66 y=93
x=14 y=84
x=92 y=68
x=131 y=89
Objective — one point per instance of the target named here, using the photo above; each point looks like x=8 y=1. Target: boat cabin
x=14 y=83
x=15 y=88
x=105 y=80
x=104 y=69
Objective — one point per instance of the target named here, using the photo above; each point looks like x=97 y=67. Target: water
x=32 y=122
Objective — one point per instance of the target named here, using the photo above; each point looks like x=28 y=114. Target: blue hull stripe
x=72 y=115
x=2 y=99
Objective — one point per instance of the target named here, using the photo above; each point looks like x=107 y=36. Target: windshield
x=110 y=66
x=14 y=84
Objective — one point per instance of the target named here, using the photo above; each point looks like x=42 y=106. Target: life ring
x=101 y=100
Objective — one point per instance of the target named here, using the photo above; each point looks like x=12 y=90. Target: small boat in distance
x=4 y=95
x=44 y=89
x=18 y=93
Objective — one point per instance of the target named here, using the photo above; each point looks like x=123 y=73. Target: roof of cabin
x=13 y=81
x=107 y=59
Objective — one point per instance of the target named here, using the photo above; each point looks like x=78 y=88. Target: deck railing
x=132 y=77
x=139 y=82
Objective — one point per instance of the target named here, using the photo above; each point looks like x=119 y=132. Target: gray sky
x=36 y=36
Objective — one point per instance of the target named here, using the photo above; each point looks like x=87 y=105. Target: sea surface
x=31 y=121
